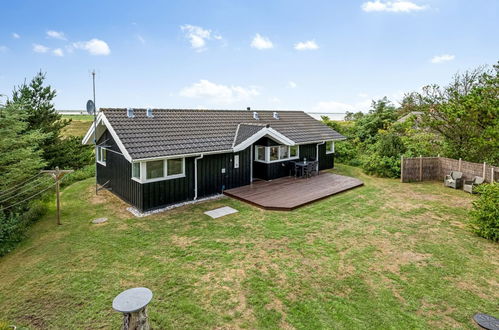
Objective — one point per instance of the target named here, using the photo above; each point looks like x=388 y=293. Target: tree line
x=31 y=140
x=459 y=120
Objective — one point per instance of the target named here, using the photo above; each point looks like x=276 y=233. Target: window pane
x=136 y=170
x=329 y=146
x=154 y=169
x=283 y=152
x=274 y=153
x=104 y=155
x=98 y=154
x=174 y=166
x=293 y=151
x=260 y=153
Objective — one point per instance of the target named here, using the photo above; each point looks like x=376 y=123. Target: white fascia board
x=261 y=133
x=90 y=132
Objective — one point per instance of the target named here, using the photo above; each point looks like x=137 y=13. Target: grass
x=386 y=255
x=79 y=125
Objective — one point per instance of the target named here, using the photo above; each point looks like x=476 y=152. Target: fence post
x=484 y=167
x=402 y=168
x=492 y=174
x=420 y=168
x=459 y=165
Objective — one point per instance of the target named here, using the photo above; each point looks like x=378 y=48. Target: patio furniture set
x=305 y=168
x=455 y=180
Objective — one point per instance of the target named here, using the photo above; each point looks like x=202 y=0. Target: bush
x=84 y=173
x=485 y=213
x=69 y=153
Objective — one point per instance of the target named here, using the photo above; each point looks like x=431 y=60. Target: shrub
x=84 y=173
x=485 y=213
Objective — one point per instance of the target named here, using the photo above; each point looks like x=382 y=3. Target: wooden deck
x=288 y=193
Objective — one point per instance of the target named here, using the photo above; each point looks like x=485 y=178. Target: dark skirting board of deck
x=288 y=193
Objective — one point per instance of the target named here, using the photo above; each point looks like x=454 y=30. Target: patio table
x=301 y=165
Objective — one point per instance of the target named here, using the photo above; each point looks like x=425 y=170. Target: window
x=136 y=170
x=329 y=147
x=175 y=166
x=236 y=161
x=283 y=152
x=155 y=169
x=260 y=153
x=275 y=153
x=101 y=155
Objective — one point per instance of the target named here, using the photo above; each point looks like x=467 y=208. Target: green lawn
x=386 y=255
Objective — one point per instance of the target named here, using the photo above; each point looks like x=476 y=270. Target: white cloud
x=442 y=58
x=37 y=48
x=16 y=35
x=307 y=45
x=140 y=38
x=219 y=93
x=197 y=36
x=363 y=95
x=3 y=49
x=292 y=84
x=58 y=52
x=56 y=35
x=397 y=6
x=93 y=46
x=261 y=42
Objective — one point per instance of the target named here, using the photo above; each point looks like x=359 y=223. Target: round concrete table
x=132 y=303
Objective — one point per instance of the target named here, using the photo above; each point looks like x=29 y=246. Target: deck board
x=289 y=193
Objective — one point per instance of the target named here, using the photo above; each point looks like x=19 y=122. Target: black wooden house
x=155 y=157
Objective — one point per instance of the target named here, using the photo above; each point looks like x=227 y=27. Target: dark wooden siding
x=116 y=175
x=266 y=141
x=211 y=180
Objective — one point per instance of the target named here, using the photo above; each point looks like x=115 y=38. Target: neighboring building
x=155 y=157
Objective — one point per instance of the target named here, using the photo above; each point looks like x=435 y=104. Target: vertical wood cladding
x=116 y=174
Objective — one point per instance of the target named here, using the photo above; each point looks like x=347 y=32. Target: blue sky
x=309 y=55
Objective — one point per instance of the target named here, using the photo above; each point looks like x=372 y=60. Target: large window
x=101 y=155
x=157 y=170
x=275 y=153
x=329 y=147
x=175 y=166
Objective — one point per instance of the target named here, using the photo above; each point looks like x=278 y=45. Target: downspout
x=317 y=151
x=196 y=176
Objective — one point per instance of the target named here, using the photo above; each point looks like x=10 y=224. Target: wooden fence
x=436 y=168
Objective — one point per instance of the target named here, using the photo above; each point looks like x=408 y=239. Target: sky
x=317 y=56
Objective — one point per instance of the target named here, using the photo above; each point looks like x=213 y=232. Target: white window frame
x=143 y=171
x=98 y=156
x=267 y=154
x=332 y=147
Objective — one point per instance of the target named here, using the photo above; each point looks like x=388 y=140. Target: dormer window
x=129 y=113
x=149 y=112
x=255 y=115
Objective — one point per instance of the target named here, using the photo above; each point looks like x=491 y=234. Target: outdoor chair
x=310 y=169
x=470 y=186
x=454 y=180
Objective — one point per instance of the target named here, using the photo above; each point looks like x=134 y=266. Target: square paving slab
x=220 y=212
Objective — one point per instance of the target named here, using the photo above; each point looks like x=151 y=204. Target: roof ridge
x=201 y=110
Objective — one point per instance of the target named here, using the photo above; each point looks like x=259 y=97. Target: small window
x=236 y=161
x=329 y=147
x=136 y=170
x=260 y=153
x=293 y=151
x=101 y=155
x=274 y=153
x=155 y=169
x=175 y=166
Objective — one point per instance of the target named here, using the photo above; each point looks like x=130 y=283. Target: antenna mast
x=95 y=129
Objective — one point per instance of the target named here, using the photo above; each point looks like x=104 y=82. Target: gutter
x=196 y=175
x=317 y=152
